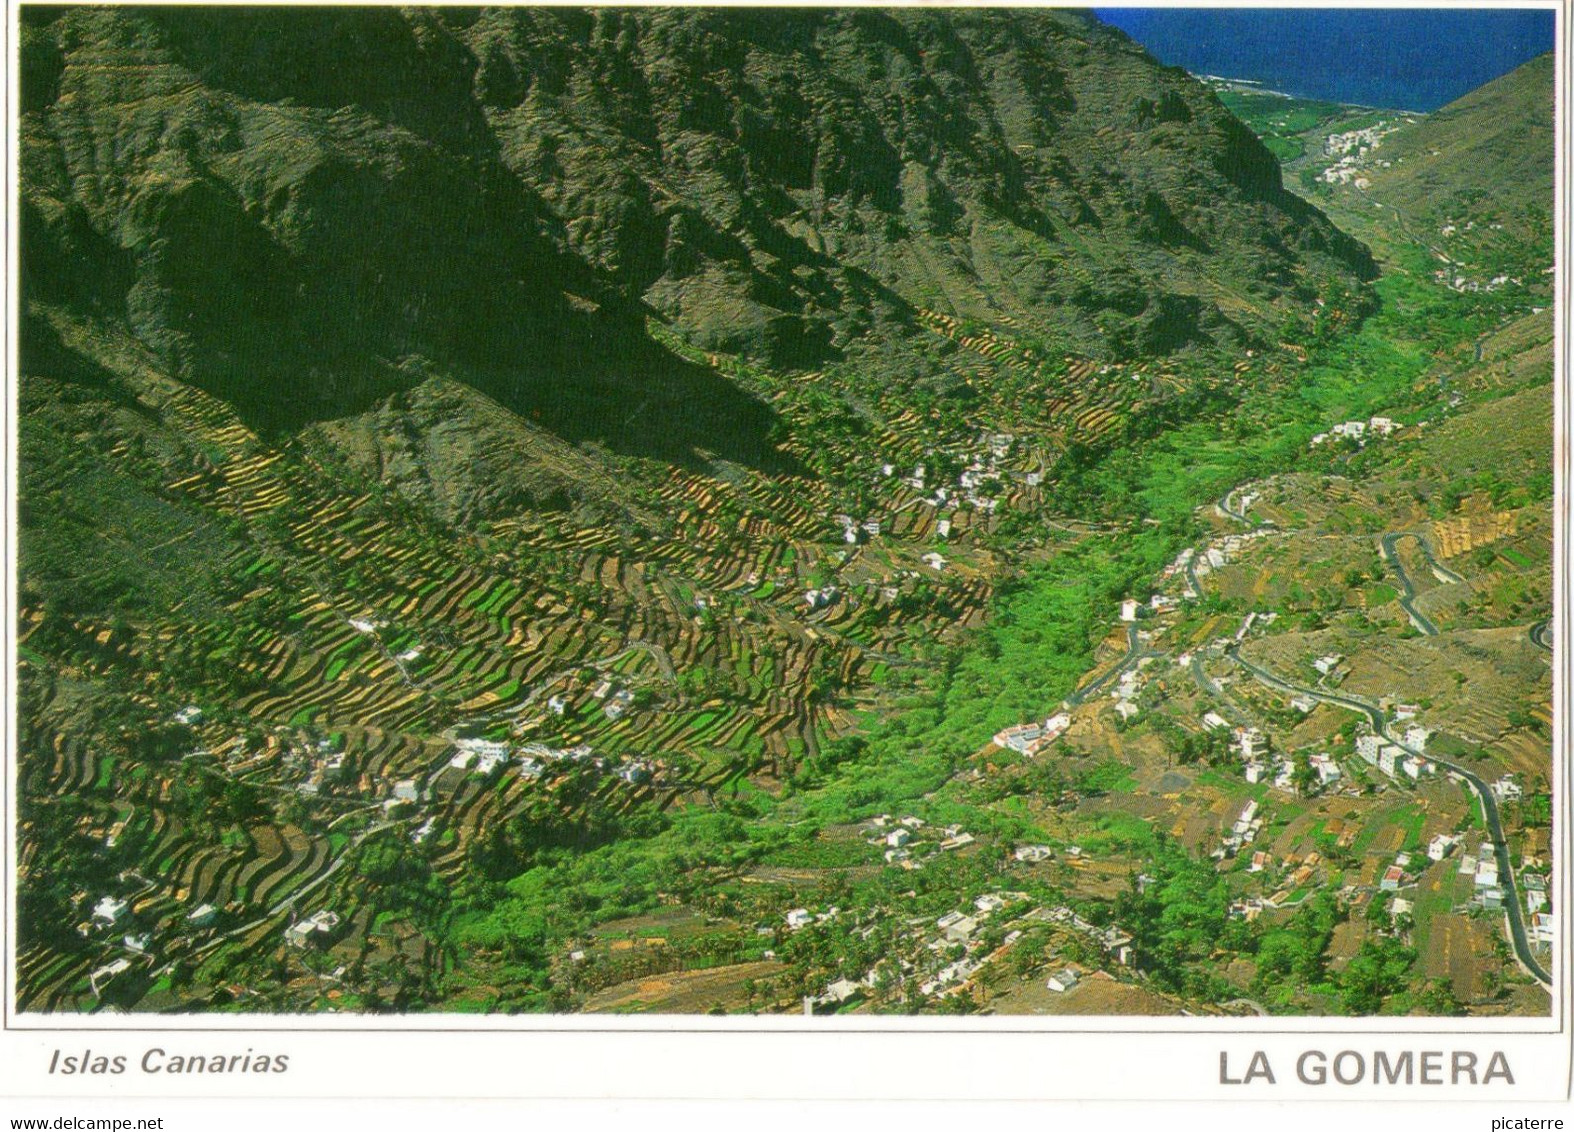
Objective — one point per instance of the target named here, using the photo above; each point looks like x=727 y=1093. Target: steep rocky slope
x=303 y=210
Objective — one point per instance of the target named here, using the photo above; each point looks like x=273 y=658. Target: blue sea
x=1395 y=58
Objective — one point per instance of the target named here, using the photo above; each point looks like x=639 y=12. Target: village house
x=1388 y=757
x=799 y=918
x=1326 y=769
x=820 y=598
x=1251 y=742
x=106 y=973
x=202 y=916
x=1033 y=853
x=618 y=705
x=317 y=929
x=962 y=930
x=1063 y=981
x=1441 y=846
x=1415 y=766
x=109 y=911
x=1030 y=738
x=1506 y=789
x=1326 y=664
x=1486 y=873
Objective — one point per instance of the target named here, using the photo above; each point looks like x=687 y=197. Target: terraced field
x=625 y=662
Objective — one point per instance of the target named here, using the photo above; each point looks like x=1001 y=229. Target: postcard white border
x=841 y=1058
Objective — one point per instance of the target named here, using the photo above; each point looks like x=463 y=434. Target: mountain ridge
x=288 y=226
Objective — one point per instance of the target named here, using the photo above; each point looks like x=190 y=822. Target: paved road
x=1225 y=509
x=1407 y=599
x=1211 y=688
x=1193 y=583
x=289 y=901
x=1134 y=653
x=1439 y=571
x=1541 y=634
x=1511 y=899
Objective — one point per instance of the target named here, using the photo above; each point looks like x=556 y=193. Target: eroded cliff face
x=301 y=208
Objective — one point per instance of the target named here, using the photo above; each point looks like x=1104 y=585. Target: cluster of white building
x=1357 y=431
x=1217 y=554
x=1394 y=760
x=1245 y=830
x=1030 y=738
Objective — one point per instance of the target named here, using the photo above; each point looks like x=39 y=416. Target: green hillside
x=516 y=505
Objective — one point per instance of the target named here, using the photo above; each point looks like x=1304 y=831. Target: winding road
x=1541 y=634
x=1407 y=600
x=1511 y=898
x=1134 y=653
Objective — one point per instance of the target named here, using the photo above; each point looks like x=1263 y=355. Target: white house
x=1063 y=981
x=962 y=930
x=798 y=918
x=1128 y=609
x=316 y=928
x=1388 y=759
x=1326 y=664
x=202 y=916
x=109 y=910
x=1250 y=742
